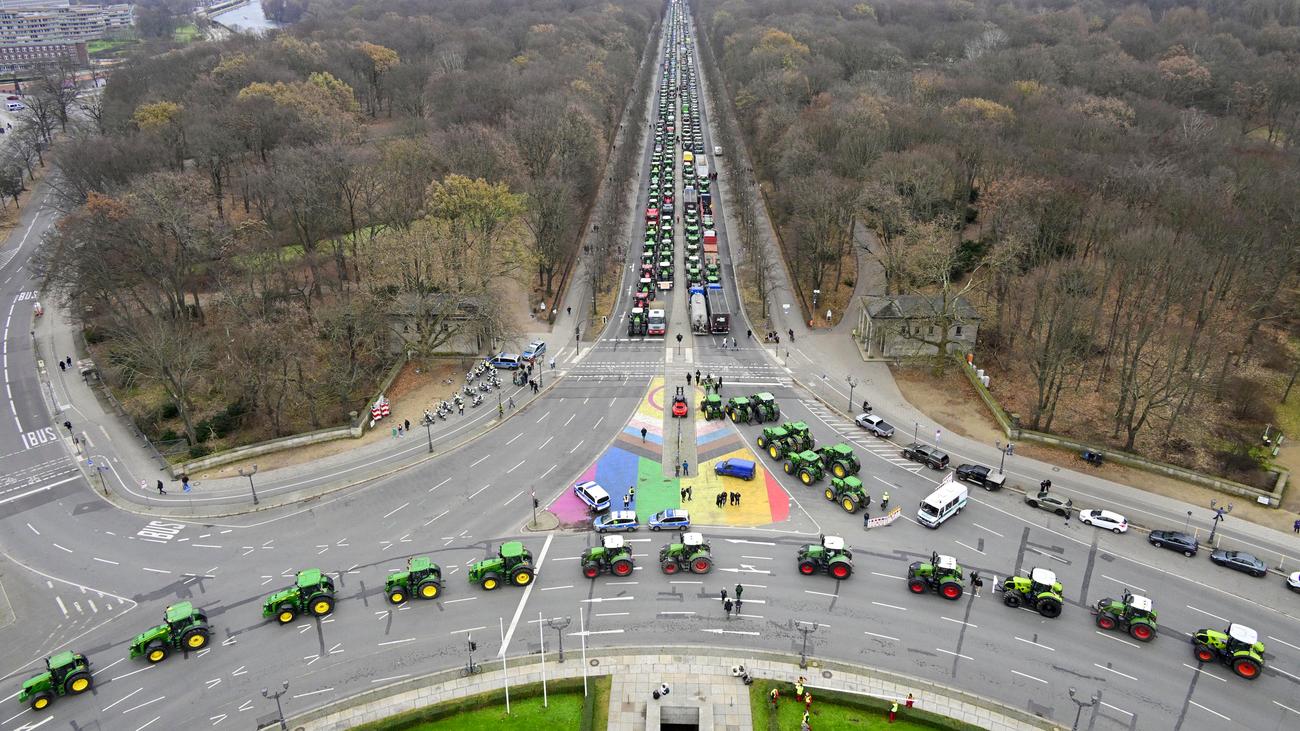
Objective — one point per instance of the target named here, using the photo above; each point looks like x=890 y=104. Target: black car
x=1241 y=561
x=1175 y=541
x=925 y=454
x=978 y=474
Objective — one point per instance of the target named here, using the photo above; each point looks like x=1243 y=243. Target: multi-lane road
x=80 y=573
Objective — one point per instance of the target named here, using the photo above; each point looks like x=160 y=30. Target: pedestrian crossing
x=882 y=448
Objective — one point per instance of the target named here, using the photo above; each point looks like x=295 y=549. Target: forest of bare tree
x=1115 y=185
x=257 y=229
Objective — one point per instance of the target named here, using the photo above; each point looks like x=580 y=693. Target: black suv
x=978 y=474
x=1175 y=541
x=925 y=454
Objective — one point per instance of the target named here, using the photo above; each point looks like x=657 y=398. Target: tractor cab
x=692 y=540
x=313 y=578
x=1136 y=605
x=765 y=407
x=183 y=614
x=1045 y=580
x=738 y=408
x=945 y=563
x=612 y=543
x=1242 y=638
x=835 y=545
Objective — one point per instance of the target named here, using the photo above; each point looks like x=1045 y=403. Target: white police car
x=591 y=493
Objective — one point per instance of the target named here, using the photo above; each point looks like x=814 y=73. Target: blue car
x=676 y=519
x=742 y=468
x=618 y=520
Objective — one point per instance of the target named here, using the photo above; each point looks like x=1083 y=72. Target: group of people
x=803 y=695
x=727 y=498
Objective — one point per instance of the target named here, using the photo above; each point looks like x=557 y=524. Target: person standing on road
x=63 y=366
x=161 y=491
x=1297 y=526
x=866 y=520
x=791 y=332
x=407 y=424
x=683 y=491
x=724 y=594
x=749 y=334
x=688 y=379
x=643 y=433
x=690 y=492
x=739 y=590
x=976 y=582
x=884 y=501
x=627 y=501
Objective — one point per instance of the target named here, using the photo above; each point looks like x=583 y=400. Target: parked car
x=978 y=474
x=618 y=520
x=591 y=493
x=535 y=350
x=735 y=467
x=505 y=361
x=1051 y=503
x=1240 y=561
x=875 y=425
x=1104 y=519
x=925 y=454
x=1293 y=581
x=1184 y=543
x=674 y=519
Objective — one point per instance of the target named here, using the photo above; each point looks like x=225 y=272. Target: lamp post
x=806 y=628
x=1220 y=512
x=471 y=646
x=1006 y=450
x=279 y=710
x=1090 y=703
x=559 y=624
x=852 y=382
x=916 y=431
x=428 y=424
x=1187 y=526
x=249 y=474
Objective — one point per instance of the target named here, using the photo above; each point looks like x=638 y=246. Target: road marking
x=757 y=558
x=512 y=439
x=575 y=447
x=1203 y=672
x=1112 y=636
x=553 y=588
x=106 y=667
x=1017 y=672
x=133 y=672
x=1289 y=675
x=599 y=599
x=142 y=705
x=385 y=680
x=596 y=632
x=511 y=500
x=1113 y=670
x=678 y=613
x=954 y=654
x=147 y=725
x=1113 y=708
x=958 y=621
x=618 y=583
x=481 y=460
x=523 y=600
x=1208 y=710
x=61 y=548
x=891 y=606
x=63 y=608
x=990 y=530
x=1279 y=705
x=542 y=445
x=883 y=637
x=963 y=545
x=217 y=719
x=512 y=469
x=1202 y=611
x=156 y=571
x=1288 y=644
x=203 y=545
x=729 y=632
x=440 y=484
x=397 y=642
x=481 y=489
x=612 y=614
x=820 y=593
x=686 y=582
x=119 y=700
x=394 y=510
x=1035 y=644
x=314 y=692
x=889 y=576
x=1125 y=583
x=566 y=423
x=29 y=525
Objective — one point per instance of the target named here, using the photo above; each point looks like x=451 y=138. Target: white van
x=15 y=106
x=591 y=493
x=702 y=170
x=943 y=503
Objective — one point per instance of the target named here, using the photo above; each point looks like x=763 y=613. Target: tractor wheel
x=397 y=596
x=1246 y=667
x=841 y=571
x=788 y=467
x=805 y=477
x=41 y=701
x=830 y=494
x=735 y=416
x=321 y=605
x=156 y=653
x=807 y=568
x=850 y=504
x=590 y=570
x=1106 y=620
x=195 y=639
x=701 y=565
x=774 y=452
x=428 y=589
x=1050 y=608
x=1011 y=599
x=490 y=581
x=838 y=470
x=669 y=566
x=522 y=576
x=761 y=442
x=286 y=614
x=77 y=683
x=1203 y=653
x=950 y=590
x=916 y=586
x=622 y=567
x=1142 y=632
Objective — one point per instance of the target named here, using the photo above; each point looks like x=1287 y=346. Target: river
x=246 y=17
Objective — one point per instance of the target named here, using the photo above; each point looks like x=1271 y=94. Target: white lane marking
x=390 y=513
x=554 y=588
x=543 y=444
x=481 y=489
x=728 y=631
x=512 y=469
x=471 y=629
x=29 y=525
x=1209 y=710
x=819 y=593
x=314 y=692
x=990 y=530
x=954 y=654
x=481 y=460
x=511 y=500
x=891 y=606
x=385 y=680
x=148 y=724
x=1281 y=706
x=889 y=576
x=883 y=637
x=512 y=439
x=958 y=621
x=612 y=614
x=575 y=447
x=397 y=642
x=1288 y=644
x=156 y=571
x=1112 y=636
x=119 y=700
x=1123 y=583
x=440 y=484
x=1202 y=611
x=1203 y=672
x=1017 y=672
x=1113 y=708
x=963 y=545
x=1035 y=644
x=523 y=600
x=142 y=705
x=1113 y=670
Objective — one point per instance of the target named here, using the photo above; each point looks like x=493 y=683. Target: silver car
x=875 y=425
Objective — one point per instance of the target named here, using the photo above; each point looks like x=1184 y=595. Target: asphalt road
x=79 y=573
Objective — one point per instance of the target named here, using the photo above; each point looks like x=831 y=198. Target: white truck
x=699 y=312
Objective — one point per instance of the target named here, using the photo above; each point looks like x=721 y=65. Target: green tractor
x=772 y=435
x=512 y=560
x=1039 y=590
x=1238 y=648
x=739 y=409
x=830 y=556
x=67 y=673
x=840 y=460
x=848 y=492
x=422 y=577
x=806 y=464
x=765 y=407
x=800 y=435
x=313 y=592
x=1130 y=613
x=613 y=556
x=941 y=574
x=692 y=553
x=711 y=405
x=636 y=322
x=183 y=628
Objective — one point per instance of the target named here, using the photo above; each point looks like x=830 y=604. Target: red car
x=679 y=404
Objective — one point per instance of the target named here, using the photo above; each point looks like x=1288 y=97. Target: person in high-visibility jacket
x=884 y=501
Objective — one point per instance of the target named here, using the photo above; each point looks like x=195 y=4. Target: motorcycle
x=485 y=386
x=477 y=400
x=468 y=390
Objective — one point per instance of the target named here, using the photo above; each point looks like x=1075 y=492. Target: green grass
x=565 y=712
x=568 y=710
x=186 y=33
x=106 y=47
x=837 y=710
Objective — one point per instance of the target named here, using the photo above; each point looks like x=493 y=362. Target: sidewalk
x=699 y=682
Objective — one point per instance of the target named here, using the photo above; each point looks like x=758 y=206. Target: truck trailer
x=719 y=315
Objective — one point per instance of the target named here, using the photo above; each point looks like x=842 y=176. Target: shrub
x=1250 y=401
x=199 y=450
x=168 y=411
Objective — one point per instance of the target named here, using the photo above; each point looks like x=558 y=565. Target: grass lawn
x=186 y=33
x=565 y=712
x=103 y=46
x=833 y=710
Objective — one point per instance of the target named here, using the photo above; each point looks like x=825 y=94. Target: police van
x=943 y=503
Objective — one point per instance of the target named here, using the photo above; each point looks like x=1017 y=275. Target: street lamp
x=851 y=383
x=471 y=646
x=279 y=711
x=916 y=431
x=249 y=474
x=428 y=424
x=1187 y=526
x=1219 y=514
x=1006 y=450
x=1090 y=703
x=559 y=624
x=806 y=628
